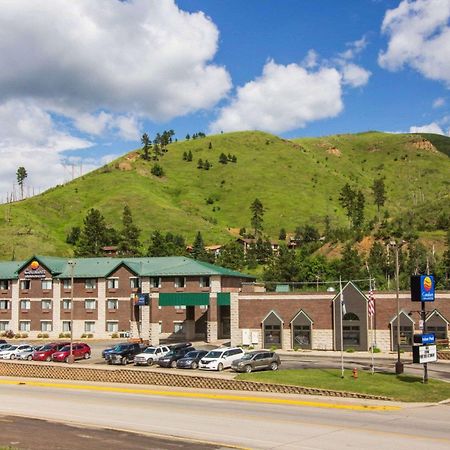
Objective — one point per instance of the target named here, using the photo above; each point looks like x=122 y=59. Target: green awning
x=223 y=298
x=184 y=299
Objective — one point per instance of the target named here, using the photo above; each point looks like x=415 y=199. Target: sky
x=81 y=81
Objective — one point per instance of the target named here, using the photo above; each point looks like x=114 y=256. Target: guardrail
x=129 y=376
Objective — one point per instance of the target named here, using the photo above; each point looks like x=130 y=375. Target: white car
x=220 y=358
x=15 y=351
x=150 y=355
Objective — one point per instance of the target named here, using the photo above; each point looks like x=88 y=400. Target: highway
x=246 y=420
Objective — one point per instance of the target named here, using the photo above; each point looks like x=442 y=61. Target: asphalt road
x=251 y=421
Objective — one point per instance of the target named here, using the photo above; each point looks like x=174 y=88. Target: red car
x=46 y=351
x=80 y=351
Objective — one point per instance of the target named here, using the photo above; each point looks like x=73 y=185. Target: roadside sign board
x=422 y=288
x=424 y=339
x=424 y=354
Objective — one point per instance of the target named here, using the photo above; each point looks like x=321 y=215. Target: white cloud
x=439 y=102
x=354 y=48
x=354 y=75
x=143 y=57
x=432 y=127
x=29 y=138
x=419 y=36
x=283 y=98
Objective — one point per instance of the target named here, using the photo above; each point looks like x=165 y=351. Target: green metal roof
x=102 y=267
x=8 y=269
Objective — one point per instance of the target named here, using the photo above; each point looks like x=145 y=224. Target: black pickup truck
x=124 y=353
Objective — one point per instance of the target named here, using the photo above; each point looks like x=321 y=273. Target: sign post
x=422 y=290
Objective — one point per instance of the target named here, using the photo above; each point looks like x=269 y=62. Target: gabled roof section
x=349 y=285
x=53 y=263
x=435 y=312
x=272 y=311
x=9 y=269
x=302 y=313
x=405 y=313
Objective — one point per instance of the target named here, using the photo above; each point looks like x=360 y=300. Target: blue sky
x=81 y=81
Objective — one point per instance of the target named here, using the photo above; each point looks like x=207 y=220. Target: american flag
x=371 y=304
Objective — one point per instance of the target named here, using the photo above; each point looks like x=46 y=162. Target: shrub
x=40 y=335
x=83 y=336
x=376 y=350
x=350 y=350
x=45 y=335
x=114 y=335
x=62 y=335
x=157 y=170
x=273 y=348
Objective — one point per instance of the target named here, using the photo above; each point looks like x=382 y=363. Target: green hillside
x=298 y=182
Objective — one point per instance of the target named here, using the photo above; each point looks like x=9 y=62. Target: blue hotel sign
x=422 y=288
x=143 y=299
x=428 y=339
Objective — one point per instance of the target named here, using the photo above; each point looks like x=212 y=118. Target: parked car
x=191 y=359
x=14 y=351
x=28 y=354
x=257 y=360
x=45 y=352
x=3 y=341
x=4 y=346
x=79 y=349
x=107 y=351
x=171 y=358
x=150 y=355
x=124 y=353
x=220 y=358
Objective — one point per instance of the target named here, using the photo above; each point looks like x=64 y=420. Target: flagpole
x=341 y=301
x=372 y=367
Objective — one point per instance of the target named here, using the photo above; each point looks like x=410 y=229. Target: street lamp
x=396 y=246
x=72 y=265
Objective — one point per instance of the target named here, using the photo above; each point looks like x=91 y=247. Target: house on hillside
x=247 y=244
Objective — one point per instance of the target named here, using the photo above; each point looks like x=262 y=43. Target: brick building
x=182 y=298
x=186 y=297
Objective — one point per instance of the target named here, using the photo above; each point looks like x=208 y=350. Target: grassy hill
x=298 y=182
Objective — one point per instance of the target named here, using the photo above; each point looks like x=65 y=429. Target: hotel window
x=46 y=285
x=4 y=285
x=46 y=325
x=4 y=304
x=66 y=304
x=112 y=327
x=134 y=283
x=66 y=326
x=24 y=325
x=90 y=304
x=25 y=285
x=204 y=282
x=112 y=283
x=4 y=325
x=90 y=283
x=89 y=327
x=112 y=303
x=25 y=304
x=46 y=304
x=67 y=284
x=180 y=282
x=178 y=327
x=155 y=282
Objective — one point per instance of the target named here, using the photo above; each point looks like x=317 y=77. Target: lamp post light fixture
x=396 y=246
x=72 y=265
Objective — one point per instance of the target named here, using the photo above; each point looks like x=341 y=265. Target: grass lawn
x=402 y=387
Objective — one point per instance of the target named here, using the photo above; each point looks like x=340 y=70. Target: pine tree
x=347 y=200
x=73 y=236
x=206 y=165
x=146 y=146
x=232 y=256
x=282 y=234
x=189 y=156
x=185 y=156
x=129 y=243
x=223 y=159
x=157 y=245
x=94 y=235
x=200 y=164
x=198 y=249
x=21 y=175
x=358 y=210
x=257 y=218
x=379 y=194
x=210 y=146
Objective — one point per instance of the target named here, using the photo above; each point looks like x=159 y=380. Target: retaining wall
x=130 y=376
